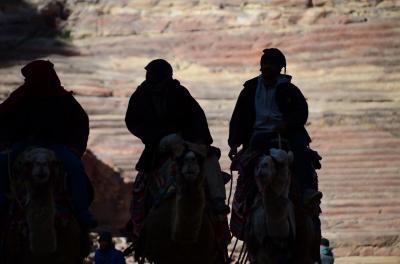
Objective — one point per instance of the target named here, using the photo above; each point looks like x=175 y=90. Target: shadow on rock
x=33 y=29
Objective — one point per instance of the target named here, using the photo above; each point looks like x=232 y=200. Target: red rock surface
x=344 y=55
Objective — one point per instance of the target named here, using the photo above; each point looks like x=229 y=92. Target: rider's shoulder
x=176 y=87
x=288 y=88
x=250 y=83
x=249 y=87
x=68 y=96
x=288 y=85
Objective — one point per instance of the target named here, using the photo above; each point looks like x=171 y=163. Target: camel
x=272 y=224
x=180 y=229
x=35 y=232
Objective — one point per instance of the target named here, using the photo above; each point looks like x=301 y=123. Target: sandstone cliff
x=344 y=55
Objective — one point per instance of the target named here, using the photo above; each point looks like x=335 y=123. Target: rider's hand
x=232 y=153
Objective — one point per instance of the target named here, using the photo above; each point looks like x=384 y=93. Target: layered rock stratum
x=344 y=56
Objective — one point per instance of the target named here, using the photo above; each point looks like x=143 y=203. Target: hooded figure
x=326 y=252
x=41 y=112
x=107 y=254
x=161 y=106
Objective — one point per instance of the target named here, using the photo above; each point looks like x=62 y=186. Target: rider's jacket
x=41 y=110
x=291 y=104
x=156 y=112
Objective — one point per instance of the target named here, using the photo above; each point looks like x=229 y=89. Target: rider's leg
x=215 y=182
x=77 y=183
x=303 y=168
x=310 y=196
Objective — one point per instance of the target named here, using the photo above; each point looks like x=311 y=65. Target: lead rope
x=229 y=204
x=240 y=258
x=245 y=257
x=230 y=188
x=233 y=249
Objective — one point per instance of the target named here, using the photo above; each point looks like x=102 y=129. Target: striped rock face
x=343 y=55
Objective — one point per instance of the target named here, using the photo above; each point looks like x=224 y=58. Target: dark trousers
x=303 y=167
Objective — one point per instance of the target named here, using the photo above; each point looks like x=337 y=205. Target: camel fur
x=272 y=222
x=180 y=230
x=37 y=176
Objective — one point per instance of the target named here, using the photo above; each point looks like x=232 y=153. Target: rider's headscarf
x=41 y=79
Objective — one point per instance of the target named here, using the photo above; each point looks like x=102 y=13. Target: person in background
x=326 y=252
x=107 y=253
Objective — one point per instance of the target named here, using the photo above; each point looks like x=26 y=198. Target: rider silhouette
x=42 y=113
x=161 y=106
x=271 y=107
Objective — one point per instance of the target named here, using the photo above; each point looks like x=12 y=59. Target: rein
x=230 y=187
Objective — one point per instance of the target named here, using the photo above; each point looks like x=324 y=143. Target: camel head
x=188 y=161
x=35 y=171
x=40 y=161
x=272 y=176
x=190 y=199
x=188 y=178
x=190 y=168
x=272 y=171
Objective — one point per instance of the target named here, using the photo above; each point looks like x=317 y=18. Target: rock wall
x=344 y=55
x=112 y=194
